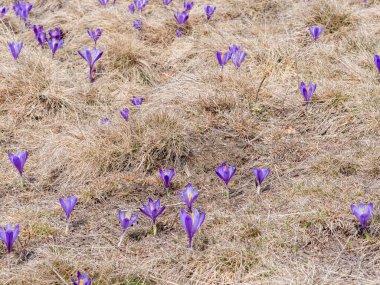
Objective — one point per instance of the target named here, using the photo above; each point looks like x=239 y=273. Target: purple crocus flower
x=363 y=212
x=91 y=57
x=95 y=34
x=105 y=121
x=54 y=45
x=140 y=4
x=376 y=60
x=18 y=160
x=137 y=24
x=9 y=236
x=167 y=176
x=237 y=55
x=131 y=8
x=125 y=114
x=3 y=11
x=22 y=10
x=68 y=206
x=136 y=101
x=189 y=195
x=225 y=173
x=166 y=2
x=104 y=2
x=260 y=174
x=178 y=33
x=181 y=17
x=191 y=223
x=307 y=93
x=209 y=10
x=55 y=33
x=39 y=34
x=15 y=49
x=152 y=211
x=83 y=279
x=223 y=58
x=315 y=31
x=188 y=6
x=126 y=221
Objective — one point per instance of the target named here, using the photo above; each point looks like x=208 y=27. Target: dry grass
x=300 y=231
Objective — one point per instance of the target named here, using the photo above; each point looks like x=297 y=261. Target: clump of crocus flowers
x=125 y=114
x=91 y=57
x=82 y=279
x=315 y=31
x=261 y=174
x=225 y=172
x=181 y=18
x=18 y=160
x=126 y=220
x=15 y=49
x=22 y=10
x=136 y=101
x=68 y=205
x=237 y=55
x=55 y=42
x=39 y=34
x=307 y=92
x=363 y=212
x=137 y=24
x=152 y=211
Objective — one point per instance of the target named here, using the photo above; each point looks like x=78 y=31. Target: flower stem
x=22 y=182
x=258 y=189
x=227 y=192
x=9 y=261
x=67 y=227
x=154 y=229
x=121 y=239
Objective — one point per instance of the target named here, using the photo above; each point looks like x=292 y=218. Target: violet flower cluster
x=22 y=9
x=91 y=57
x=235 y=53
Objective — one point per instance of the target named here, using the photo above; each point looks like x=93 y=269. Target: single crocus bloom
x=315 y=31
x=105 y=121
x=22 y=10
x=307 y=92
x=167 y=176
x=225 y=173
x=376 y=60
x=68 y=206
x=178 y=33
x=39 y=34
x=188 y=6
x=83 y=279
x=181 y=17
x=54 y=45
x=209 y=10
x=126 y=221
x=104 y=2
x=223 y=58
x=9 y=236
x=363 y=212
x=137 y=24
x=131 y=8
x=91 y=57
x=260 y=174
x=237 y=55
x=55 y=33
x=18 y=160
x=15 y=49
x=189 y=195
x=140 y=4
x=95 y=34
x=191 y=223
x=166 y=2
x=125 y=114
x=152 y=211
x=3 y=11
x=136 y=101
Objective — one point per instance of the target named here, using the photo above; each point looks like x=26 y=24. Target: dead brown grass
x=300 y=231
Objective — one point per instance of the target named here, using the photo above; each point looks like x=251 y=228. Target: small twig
x=261 y=84
x=59 y=276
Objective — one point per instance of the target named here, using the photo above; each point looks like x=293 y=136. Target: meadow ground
x=300 y=231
